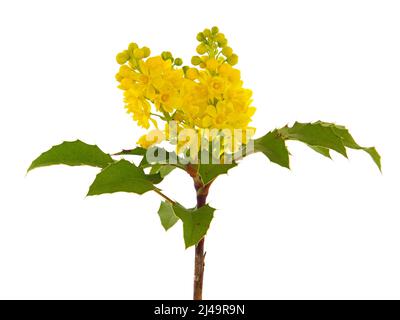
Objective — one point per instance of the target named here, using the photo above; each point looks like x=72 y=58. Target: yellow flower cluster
x=209 y=95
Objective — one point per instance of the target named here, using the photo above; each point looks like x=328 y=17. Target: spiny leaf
x=73 y=153
x=375 y=156
x=349 y=142
x=158 y=155
x=154 y=178
x=319 y=136
x=167 y=215
x=324 y=151
x=162 y=169
x=315 y=134
x=121 y=176
x=274 y=147
x=138 y=151
x=195 y=222
x=208 y=172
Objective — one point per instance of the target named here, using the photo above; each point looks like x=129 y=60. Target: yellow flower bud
x=221 y=40
x=207 y=33
x=132 y=47
x=166 y=55
x=196 y=60
x=178 y=61
x=146 y=52
x=214 y=30
x=202 y=65
x=220 y=37
x=201 y=48
x=138 y=53
x=227 y=51
x=222 y=43
x=200 y=36
x=233 y=59
x=123 y=57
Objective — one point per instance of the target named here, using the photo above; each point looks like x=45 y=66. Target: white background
x=325 y=229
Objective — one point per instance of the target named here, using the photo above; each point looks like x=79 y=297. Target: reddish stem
x=202 y=192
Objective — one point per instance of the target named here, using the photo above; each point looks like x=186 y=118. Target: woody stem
x=202 y=192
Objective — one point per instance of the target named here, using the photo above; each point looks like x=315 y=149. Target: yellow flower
x=209 y=95
x=151 y=138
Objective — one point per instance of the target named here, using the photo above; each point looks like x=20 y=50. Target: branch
x=164 y=196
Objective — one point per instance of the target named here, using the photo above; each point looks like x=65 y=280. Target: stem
x=164 y=196
x=198 y=271
x=202 y=192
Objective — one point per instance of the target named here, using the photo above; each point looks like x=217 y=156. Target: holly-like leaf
x=274 y=147
x=324 y=151
x=154 y=178
x=209 y=172
x=121 y=176
x=167 y=215
x=315 y=134
x=73 y=153
x=195 y=222
x=162 y=169
x=138 y=151
x=319 y=136
x=376 y=157
x=349 y=142
x=158 y=155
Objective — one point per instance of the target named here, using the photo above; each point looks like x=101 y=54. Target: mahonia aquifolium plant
x=197 y=120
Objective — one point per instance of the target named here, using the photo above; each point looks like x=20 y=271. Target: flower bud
x=123 y=57
x=138 y=53
x=207 y=33
x=200 y=36
x=223 y=43
x=201 y=48
x=166 y=55
x=233 y=59
x=219 y=37
x=146 y=52
x=196 y=60
x=132 y=47
x=227 y=51
x=214 y=30
x=178 y=61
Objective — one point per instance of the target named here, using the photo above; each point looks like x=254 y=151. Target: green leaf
x=324 y=151
x=73 y=153
x=121 y=176
x=274 y=147
x=208 y=172
x=167 y=215
x=375 y=156
x=160 y=156
x=349 y=142
x=317 y=134
x=162 y=169
x=154 y=178
x=195 y=222
x=138 y=151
